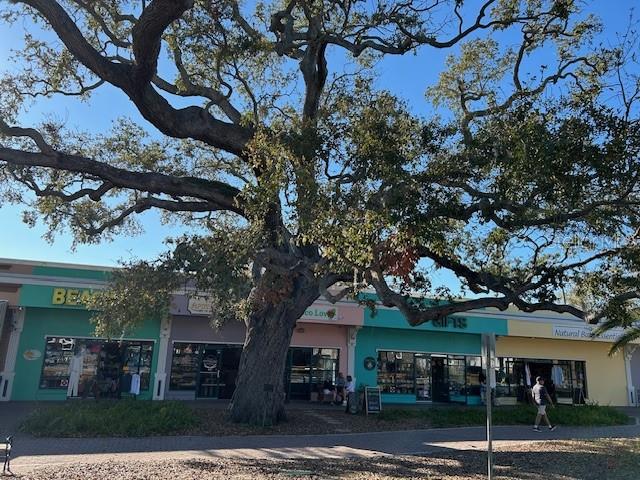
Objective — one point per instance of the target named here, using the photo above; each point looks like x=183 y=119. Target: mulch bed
x=607 y=459
x=303 y=422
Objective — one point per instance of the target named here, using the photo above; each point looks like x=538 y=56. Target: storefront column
x=12 y=351
x=631 y=393
x=352 y=333
x=160 y=377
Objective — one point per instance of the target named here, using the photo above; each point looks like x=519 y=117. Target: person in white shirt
x=350 y=388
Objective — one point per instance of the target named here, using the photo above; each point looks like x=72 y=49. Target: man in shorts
x=541 y=398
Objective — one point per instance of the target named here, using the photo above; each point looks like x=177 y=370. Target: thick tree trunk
x=260 y=391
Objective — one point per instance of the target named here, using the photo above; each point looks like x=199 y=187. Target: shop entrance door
x=209 y=375
x=423 y=377
x=439 y=380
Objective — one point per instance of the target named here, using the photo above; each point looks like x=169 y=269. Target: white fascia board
x=48 y=281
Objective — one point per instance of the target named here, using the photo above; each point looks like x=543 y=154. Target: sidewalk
x=31 y=453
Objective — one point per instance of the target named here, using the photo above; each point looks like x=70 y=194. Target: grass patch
x=586 y=415
x=121 y=418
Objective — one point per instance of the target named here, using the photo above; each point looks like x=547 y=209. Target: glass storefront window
x=396 y=373
x=104 y=364
x=565 y=379
x=184 y=366
x=57 y=358
x=457 y=379
x=475 y=376
x=309 y=369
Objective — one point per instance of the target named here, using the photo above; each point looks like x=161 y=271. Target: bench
x=6 y=449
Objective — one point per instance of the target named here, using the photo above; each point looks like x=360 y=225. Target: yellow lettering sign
x=59 y=296
x=70 y=296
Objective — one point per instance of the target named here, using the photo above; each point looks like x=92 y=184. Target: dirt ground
x=606 y=459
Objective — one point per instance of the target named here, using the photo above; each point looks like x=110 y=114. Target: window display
x=396 y=372
x=101 y=365
x=184 y=366
x=565 y=379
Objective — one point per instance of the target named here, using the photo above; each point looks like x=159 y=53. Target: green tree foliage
x=266 y=133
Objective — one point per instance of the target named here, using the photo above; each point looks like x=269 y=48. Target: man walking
x=541 y=398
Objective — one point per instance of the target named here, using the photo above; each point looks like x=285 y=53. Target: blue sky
x=407 y=76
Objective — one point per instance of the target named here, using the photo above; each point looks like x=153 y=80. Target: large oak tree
x=261 y=126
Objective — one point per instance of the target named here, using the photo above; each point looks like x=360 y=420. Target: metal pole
x=488 y=400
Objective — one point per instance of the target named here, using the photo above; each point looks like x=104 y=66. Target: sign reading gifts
x=71 y=297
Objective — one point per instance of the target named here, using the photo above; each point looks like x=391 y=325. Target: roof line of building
x=38 y=263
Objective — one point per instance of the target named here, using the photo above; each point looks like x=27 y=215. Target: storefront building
x=577 y=368
x=203 y=361
x=52 y=352
x=48 y=350
x=432 y=363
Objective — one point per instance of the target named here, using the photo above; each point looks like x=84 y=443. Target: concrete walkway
x=31 y=453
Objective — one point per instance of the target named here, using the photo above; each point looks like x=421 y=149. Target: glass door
x=209 y=375
x=423 y=377
x=439 y=379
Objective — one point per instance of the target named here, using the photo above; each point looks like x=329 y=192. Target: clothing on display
x=135 y=384
x=75 y=367
x=557 y=375
x=527 y=374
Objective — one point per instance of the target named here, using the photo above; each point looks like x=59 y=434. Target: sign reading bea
x=72 y=297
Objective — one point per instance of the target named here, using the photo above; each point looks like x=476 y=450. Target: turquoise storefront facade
x=386 y=340
x=56 y=315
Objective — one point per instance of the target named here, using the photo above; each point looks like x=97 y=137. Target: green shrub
x=122 y=418
x=584 y=415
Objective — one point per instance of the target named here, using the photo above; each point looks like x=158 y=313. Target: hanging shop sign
x=200 y=305
x=71 y=297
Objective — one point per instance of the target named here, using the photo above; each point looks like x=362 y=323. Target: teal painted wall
x=71 y=272
x=370 y=340
x=42 y=322
x=388 y=329
x=388 y=318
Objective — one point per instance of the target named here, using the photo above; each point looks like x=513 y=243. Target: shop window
x=507 y=379
x=185 y=363
x=475 y=376
x=309 y=370
x=104 y=364
x=396 y=372
x=57 y=358
x=457 y=378
x=565 y=379
x=324 y=364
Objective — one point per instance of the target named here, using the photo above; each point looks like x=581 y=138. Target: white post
x=159 y=384
x=351 y=350
x=9 y=373
x=631 y=393
x=488 y=350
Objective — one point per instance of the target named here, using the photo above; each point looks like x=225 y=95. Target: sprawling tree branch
x=190 y=122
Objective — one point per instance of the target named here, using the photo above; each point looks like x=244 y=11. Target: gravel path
x=560 y=460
